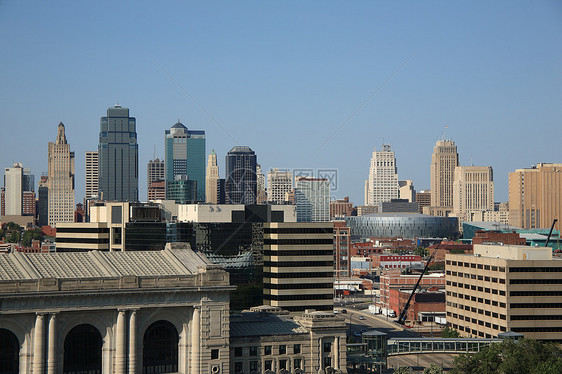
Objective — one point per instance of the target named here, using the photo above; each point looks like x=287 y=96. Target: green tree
x=30 y=235
x=449 y=333
x=433 y=369
x=421 y=251
x=512 y=357
x=13 y=226
x=13 y=237
x=403 y=370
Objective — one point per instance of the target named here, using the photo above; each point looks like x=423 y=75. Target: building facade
x=261 y=197
x=473 y=190
x=241 y=177
x=13 y=190
x=92 y=174
x=279 y=183
x=43 y=202
x=444 y=160
x=312 y=198
x=61 y=179
x=185 y=155
x=382 y=184
x=212 y=178
x=406 y=190
x=341 y=208
x=118 y=155
x=535 y=199
x=155 y=171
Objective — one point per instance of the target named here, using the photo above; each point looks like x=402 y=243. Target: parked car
x=361 y=317
x=344 y=311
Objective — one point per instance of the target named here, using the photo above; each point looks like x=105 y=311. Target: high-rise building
x=118 y=154
x=43 y=202
x=157 y=190
x=298 y=267
x=212 y=179
x=13 y=190
x=341 y=208
x=535 y=197
x=61 y=179
x=423 y=198
x=262 y=193
x=185 y=155
x=182 y=190
x=312 y=198
x=406 y=190
x=92 y=174
x=155 y=171
x=279 y=183
x=382 y=184
x=241 y=179
x=473 y=190
x=444 y=160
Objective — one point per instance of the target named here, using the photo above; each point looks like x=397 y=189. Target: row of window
x=476 y=266
x=535 y=270
x=556 y=317
x=535 y=293
x=474 y=310
x=297 y=230
x=481 y=334
x=297 y=241
x=309 y=252
x=535 y=305
x=298 y=286
x=475 y=276
x=298 y=297
x=252 y=351
x=478 y=299
x=268 y=365
x=298 y=264
x=327 y=274
x=535 y=281
x=476 y=288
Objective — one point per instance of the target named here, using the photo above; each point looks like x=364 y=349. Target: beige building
x=406 y=190
x=212 y=179
x=382 y=184
x=92 y=174
x=155 y=171
x=279 y=183
x=260 y=186
x=444 y=160
x=535 y=196
x=13 y=193
x=61 y=180
x=298 y=269
x=226 y=213
x=473 y=190
x=505 y=288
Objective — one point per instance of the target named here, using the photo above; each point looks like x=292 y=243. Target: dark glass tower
x=118 y=156
x=241 y=178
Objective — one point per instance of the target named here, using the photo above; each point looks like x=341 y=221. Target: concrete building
x=185 y=155
x=149 y=312
x=423 y=198
x=227 y=213
x=397 y=206
x=341 y=208
x=394 y=279
x=535 y=197
x=382 y=184
x=265 y=339
x=406 y=190
x=92 y=174
x=43 y=202
x=157 y=190
x=473 y=190
x=212 y=178
x=182 y=190
x=13 y=190
x=342 y=250
x=505 y=288
x=260 y=187
x=155 y=172
x=118 y=156
x=61 y=179
x=279 y=183
x=444 y=160
x=241 y=182
x=298 y=267
x=312 y=198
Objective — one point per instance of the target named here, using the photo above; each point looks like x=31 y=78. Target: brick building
x=510 y=238
x=394 y=279
x=427 y=301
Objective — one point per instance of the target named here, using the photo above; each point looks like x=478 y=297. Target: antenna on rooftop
x=154 y=154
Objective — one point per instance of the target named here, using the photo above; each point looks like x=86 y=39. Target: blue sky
x=283 y=77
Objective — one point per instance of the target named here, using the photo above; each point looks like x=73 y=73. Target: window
x=237 y=351
x=253 y=366
x=267 y=365
x=283 y=350
x=282 y=364
x=253 y=350
x=297 y=363
x=267 y=350
x=214 y=354
x=327 y=348
x=238 y=367
x=327 y=362
x=297 y=348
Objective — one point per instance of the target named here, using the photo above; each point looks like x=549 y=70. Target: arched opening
x=160 y=348
x=82 y=350
x=9 y=353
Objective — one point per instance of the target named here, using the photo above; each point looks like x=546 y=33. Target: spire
x=61 y=137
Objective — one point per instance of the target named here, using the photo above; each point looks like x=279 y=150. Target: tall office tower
x=406 y=190
x=444 y=160
x=43 y=202
x=2 y=201
x=61 y=180
x=13 y=190
x=185 y=155
x=212 y=179
x=241 y=178
x=298 y=266
x=260 y=178
x=92 y=174
x=473 y=189
x=155 y=171
x=118 y=154
x=535 y=196
x=279 y=183
x=312 y=198
x=382 y=184
x=423 y=198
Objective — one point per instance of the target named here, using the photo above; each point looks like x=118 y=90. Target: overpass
x=406 y=346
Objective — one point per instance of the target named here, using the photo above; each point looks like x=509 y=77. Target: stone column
x=195 y=340
x=52 y=345
x=336 y=349
x=38 y=345
x=121 y=344
x=133 y=342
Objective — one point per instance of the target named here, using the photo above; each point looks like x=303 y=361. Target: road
x=377 y=322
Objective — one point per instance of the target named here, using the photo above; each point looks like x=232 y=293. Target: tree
x=30 y=235
x=449 y=333
x=421 y=251
x=403 y=370
x=433 y=369
x=13 y=237
x=525 y=356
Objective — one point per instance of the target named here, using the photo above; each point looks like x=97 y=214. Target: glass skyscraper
x=241 y=177
x=118 y=154
x=185 y=155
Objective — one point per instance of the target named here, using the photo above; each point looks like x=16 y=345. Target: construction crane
x=550 y=233
x=402 y=317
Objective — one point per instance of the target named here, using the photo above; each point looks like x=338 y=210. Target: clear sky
x=289 y=79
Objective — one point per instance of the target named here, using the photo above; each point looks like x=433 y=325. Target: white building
x=226 y=213
x=13 y=184
x=312 y=198
x=382 y=184
x=212 y=179
x=473 y=190
x=61 y=180
x=279 y=183
x=92 y=174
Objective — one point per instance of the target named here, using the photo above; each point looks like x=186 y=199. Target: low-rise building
x=394 y=279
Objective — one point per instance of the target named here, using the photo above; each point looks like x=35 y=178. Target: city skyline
x=491 y=76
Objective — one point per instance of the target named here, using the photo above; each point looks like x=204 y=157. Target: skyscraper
x=241 y=178
x=60 y=182
x=444 y=160
x=535 y=196
x=155 y=171
x=43 y=201
x=92 y=174
x=279 y=184
x=13 y=190
x=382 y=184
x=261 y=197
x=312 y=198
x=118 y=154
x=473 y=190
x=185 y=155
x=212 y=179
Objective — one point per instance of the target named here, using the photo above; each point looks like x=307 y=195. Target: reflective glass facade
x=241 y=181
